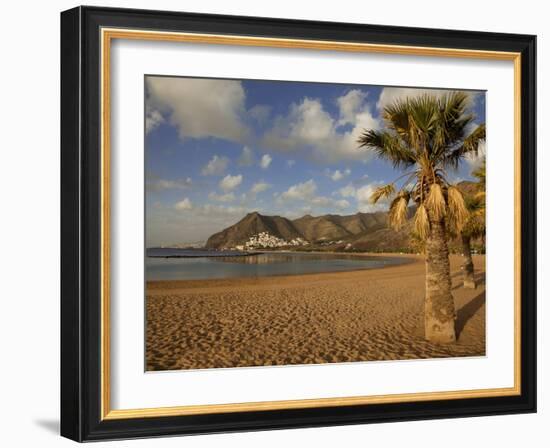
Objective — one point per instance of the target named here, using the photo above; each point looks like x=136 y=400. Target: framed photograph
x=276 y=224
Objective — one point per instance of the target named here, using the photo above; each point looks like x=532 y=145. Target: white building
x=265 y=240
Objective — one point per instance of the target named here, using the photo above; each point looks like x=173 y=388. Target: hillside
x=253 y=224
x=314 y=229
x=332 y=227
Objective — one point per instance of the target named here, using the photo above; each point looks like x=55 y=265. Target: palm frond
x=453 y=120
x=384 y=191
x=421 y=222
x=480 y=196
x=435 y=202
x=398 y=211
x=474 y=226
x=388 y=147
x=457 y=212
x=470 y=145
x=396 y=116
x=480 y=173
x=474 y=202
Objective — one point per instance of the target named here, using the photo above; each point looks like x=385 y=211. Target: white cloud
x=153 y=119
x=305 y=192
x=166 y=184
x=475 y=160
x=301 y=191
x=265 y=161
x=209 y=209
x=260 y=113
x=186 y=204
x=391 y=94
x=227 y=197
x=309 y=127
x=305 y=123
x=323 y=201
x=259 y=187
x=199 y=107
x=348 y=191
x=216 y=166
x=290 y=163
x=349 y=105
x=230 y=182
x=247 y=157
x=339 y=175
x=342 y=204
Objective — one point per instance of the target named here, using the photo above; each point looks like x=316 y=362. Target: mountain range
x=327 y=229
x=367 y=232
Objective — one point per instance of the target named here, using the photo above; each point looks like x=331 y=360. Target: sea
x=202 y=264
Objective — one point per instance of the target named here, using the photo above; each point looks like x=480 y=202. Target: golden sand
x=363 y=315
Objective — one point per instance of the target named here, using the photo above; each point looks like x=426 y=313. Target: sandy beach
x=365 y=315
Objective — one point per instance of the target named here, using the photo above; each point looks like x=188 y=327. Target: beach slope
x=366 y=315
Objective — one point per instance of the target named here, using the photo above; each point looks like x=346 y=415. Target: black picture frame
x=81 y=224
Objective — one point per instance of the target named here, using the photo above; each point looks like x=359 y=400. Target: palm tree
x=425 y=136
x=474 y=227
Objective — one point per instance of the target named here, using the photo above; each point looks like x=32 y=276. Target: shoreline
x=411 y=258
x=247 y=254
x=216 y=253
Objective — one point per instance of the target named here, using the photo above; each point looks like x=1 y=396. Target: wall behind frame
x=29 y=228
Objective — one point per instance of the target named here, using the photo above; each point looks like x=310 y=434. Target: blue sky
x=217 y=149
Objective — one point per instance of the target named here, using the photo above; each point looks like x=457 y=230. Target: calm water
x=206 y=265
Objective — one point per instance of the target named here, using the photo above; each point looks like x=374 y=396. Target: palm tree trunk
x=439 y=308
x=468 y=265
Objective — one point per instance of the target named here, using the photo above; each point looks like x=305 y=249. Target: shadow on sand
x=478 y=277
x=465 y=313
